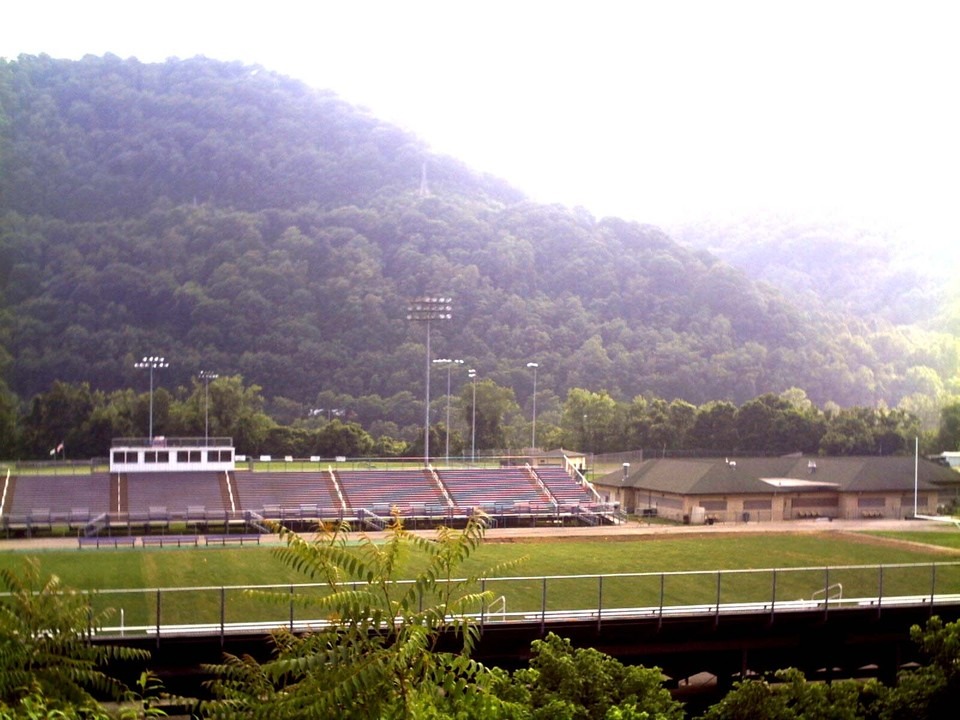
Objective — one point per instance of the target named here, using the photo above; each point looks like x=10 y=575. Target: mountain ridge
x=228 y=217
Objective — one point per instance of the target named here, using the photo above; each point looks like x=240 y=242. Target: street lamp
x=533 y=440
x=206 y=376
x=427 y=309
x=450 y=364
x=472 y=374
x=152 y=363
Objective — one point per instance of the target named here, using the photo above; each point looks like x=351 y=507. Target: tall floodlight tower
x=472 y=374
x=428 y=309
x=206 y=376
x=450 y=363
x=533 y=438
x=152 y=363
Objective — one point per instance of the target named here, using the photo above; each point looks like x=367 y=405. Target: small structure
x=567 y=459
x=950 y=459
x=160 y=454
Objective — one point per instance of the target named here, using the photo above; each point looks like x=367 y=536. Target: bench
x=170 y=540
x=231 y=538
x=114 y=541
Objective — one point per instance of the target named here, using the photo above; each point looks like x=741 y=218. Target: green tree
x=340 y=438
x=379 y=656
x=589 y=420
x=58 y=416
x=714 y=427
x=931 y=690
x=44 y=645
x=237 y=411
x=495 y=406
x=585 y=684
x=9 y=412
x=792 y=697
x=948 y=435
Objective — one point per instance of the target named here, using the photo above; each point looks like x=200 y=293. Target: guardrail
x=224 y=610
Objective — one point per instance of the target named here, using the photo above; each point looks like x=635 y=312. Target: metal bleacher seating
x=493 y=490
x=64 y=499
x=382 y=490
x=287 y=494
x=148 y=492
x=567 y=491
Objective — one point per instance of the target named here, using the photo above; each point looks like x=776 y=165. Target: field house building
x=707 y=490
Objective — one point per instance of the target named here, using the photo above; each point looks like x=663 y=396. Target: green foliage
x=231 y=218
x=927 y=692
x=948 y=436
x=44 y=648
x=9 y=413
x=932 y=690
x=592 y=421
x=584 y=684
x=38 y=707
x=378 y=654
x=789 y=696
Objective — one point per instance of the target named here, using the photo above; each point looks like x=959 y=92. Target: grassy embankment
x=213 y=569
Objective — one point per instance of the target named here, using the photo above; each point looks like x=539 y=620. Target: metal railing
x=222 y=610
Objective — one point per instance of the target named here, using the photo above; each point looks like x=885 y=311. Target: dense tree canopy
x=81 y=422
x=229 y=218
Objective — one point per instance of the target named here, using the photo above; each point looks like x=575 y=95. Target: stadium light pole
x=472 y=374
x=152 y=363
x=450 y=365
x=206 y=376
x=427 y=309
x=533 y=439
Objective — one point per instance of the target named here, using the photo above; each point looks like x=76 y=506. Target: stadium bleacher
x=381 y=490
x=162 y=502
x=499 y=489
x=175 y=491
x=259 y=491
x=566 y=490
x=43 y=500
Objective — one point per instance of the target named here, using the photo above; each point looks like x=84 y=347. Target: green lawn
x=213 y=569
x=941 y=538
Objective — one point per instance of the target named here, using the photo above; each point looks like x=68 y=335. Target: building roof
x=558 y=453
x=742 y=476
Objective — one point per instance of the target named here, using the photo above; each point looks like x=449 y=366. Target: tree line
x=73 y=420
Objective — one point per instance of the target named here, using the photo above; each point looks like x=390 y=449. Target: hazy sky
x=653 y=111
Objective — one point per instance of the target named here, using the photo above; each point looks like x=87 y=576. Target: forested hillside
x=226 y=217
x=895 y=274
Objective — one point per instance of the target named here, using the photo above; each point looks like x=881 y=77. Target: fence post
x=158 y=617
x=826 y=591
x=716 y=614
x=773 y=596
x=483 y=601
x=543 y=606
x=599 y=601
x=223 y=612
x=933 y=584
x=660 y=613
x=879 y=589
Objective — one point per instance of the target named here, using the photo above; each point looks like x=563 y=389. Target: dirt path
x=629 y=531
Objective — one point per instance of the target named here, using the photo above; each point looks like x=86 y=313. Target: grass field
x=206 y=577
x=944 y=538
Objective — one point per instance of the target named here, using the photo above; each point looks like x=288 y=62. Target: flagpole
x=916 y=472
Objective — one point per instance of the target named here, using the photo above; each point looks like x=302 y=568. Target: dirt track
x=630 y=531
